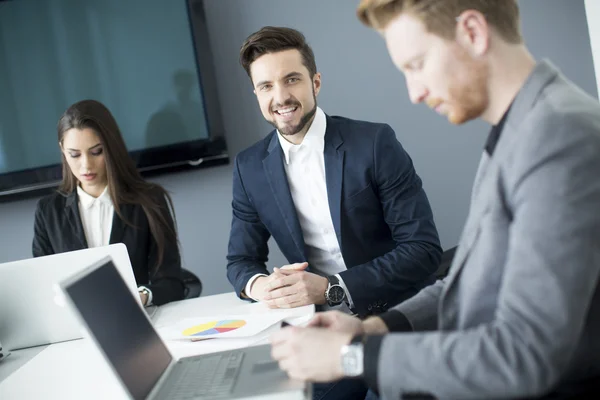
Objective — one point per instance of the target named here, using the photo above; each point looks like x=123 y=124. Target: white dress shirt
x=305 y=168
x=96 y=217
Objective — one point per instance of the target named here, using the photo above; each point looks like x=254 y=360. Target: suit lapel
x=74 y=219
x=277 y=178
x=118 y=225
x=479 y=176
x=478 y=207
x=334 y=174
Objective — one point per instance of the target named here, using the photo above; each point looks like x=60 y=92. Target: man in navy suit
x=340 y=197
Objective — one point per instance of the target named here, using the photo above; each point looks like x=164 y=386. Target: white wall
x=592 y=10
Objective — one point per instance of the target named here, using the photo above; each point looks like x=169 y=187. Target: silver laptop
x=33 y=310
x=144 y=365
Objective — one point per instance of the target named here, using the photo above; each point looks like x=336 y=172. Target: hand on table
x=294 y=287
x=309 y=354
x=337 y=322
x=262 y=284
x=341 y=322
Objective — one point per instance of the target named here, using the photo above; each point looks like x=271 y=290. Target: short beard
x=306 y=118
x=471 y=99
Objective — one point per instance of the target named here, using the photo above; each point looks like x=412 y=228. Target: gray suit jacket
x=519 y=312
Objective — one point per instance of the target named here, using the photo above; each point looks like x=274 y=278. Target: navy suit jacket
x=381 y=215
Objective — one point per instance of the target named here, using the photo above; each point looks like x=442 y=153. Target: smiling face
x=440 y=72
x=84 y=154
x=286 y=93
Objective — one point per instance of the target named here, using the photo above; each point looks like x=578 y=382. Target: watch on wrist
x=335 y=293
x=148 y=293
x=352 y=358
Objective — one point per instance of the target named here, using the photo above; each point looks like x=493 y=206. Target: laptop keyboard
x=210 y=376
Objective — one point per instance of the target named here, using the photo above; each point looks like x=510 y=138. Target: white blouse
x=96 y=217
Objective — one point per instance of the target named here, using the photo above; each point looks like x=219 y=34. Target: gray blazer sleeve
x=550 y=275
x=421 y=310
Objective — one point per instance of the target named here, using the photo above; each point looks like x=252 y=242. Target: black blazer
x=58 y=228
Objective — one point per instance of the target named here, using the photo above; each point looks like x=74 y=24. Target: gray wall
x=359 y=81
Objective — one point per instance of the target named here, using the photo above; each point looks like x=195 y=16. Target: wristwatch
x=353 y=358
x=335 y=293
x=148 y=293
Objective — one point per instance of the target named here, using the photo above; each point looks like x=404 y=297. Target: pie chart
x=214 y=327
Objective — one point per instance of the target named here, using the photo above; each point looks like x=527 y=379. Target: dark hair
x=125 y=184
x=273 y=39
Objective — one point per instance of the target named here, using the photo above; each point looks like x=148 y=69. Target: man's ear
x=316 y=80
x=473 y=32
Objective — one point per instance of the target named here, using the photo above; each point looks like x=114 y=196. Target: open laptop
x=144 y=365
x=33 y=310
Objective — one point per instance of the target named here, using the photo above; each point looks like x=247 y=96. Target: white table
x=77 y=370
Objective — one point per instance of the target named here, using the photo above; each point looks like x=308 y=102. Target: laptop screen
x=120 y=327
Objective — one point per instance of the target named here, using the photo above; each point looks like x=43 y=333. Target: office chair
x=193 y=285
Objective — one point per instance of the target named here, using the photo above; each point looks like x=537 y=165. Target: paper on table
x=219 y=327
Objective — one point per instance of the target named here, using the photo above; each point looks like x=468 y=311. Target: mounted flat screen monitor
x=148 y=61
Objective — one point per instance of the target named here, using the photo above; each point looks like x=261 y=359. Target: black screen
x=121 y=329
x=148 y=61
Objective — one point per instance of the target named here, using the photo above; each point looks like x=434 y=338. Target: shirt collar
x=314 y=138
x=87 y=201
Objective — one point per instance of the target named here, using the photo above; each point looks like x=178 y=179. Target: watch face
x=336 y=294
x=352 y=360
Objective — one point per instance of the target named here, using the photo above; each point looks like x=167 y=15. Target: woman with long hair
x=103 y=199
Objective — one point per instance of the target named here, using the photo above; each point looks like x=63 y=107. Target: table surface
x=77 y=369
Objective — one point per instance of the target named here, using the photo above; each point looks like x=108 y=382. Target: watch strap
x=358 y=339
x=333 y=280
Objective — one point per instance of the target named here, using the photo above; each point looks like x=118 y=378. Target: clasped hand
x=290 y=286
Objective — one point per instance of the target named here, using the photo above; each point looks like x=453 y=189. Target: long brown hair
x=125 y=184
